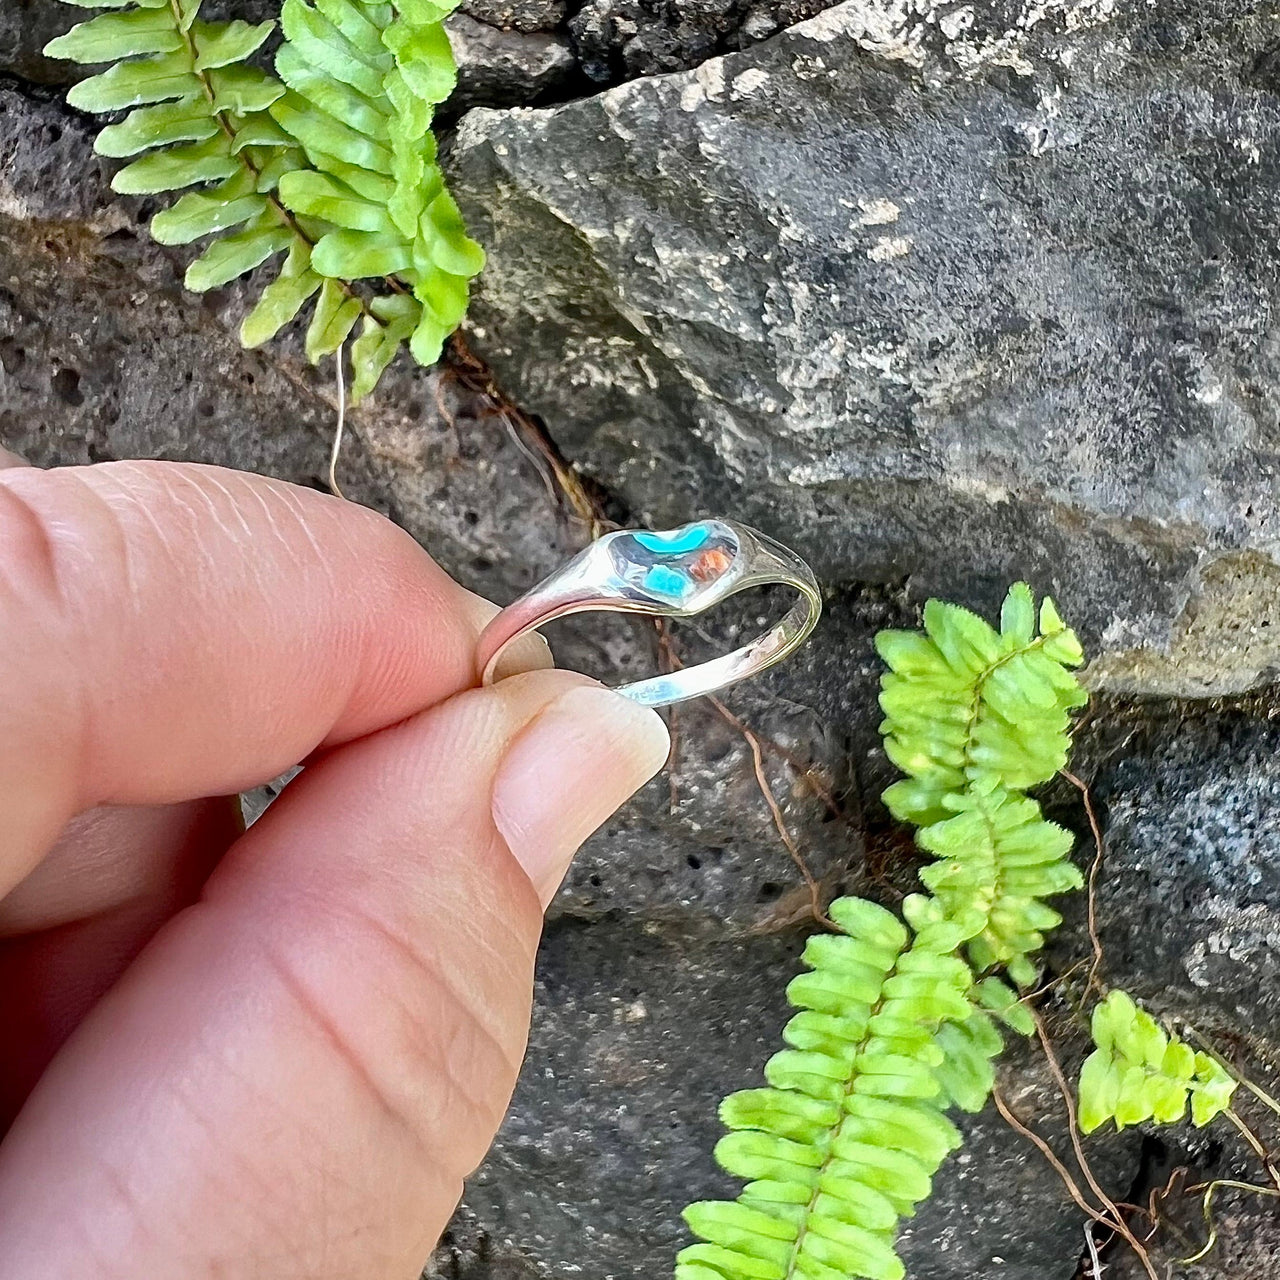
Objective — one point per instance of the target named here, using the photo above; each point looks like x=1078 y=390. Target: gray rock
x=504 y=68
x=660 y=987
x=1192 y=840
x=942 y=303
x=518 y=15
x=617 y=40
x=26 y=26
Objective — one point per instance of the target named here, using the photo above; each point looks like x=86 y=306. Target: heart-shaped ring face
x=676 y=567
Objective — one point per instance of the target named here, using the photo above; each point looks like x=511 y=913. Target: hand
x=277 y=1053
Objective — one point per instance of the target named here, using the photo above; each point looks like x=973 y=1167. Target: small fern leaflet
x=1138 y=1072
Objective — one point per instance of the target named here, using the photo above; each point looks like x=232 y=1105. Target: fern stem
x=1095 y=869
x=1073 y=1132
x=975 y=709
x=847 y=1092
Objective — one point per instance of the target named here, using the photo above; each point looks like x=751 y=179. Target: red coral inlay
x=710 y=565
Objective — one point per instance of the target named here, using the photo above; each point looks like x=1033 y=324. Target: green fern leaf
x=178 y=167
x=335 y=316
x=380 y=339
x=965 y=702
x=1139 y=1072
x=282 y=299
x=973 y=716
x=117 y=35
x=363 y=82
x=133 y=84
x=998 y=857
x=157 y=126
x=313 y=161
x=222 y=43
x=234 y=255
x=846 y=1139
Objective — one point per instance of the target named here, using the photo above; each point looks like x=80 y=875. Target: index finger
x=170 y=631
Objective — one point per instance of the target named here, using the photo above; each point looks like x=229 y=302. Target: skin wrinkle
x=215 y=482
x=271 y=511
x=90 y=1235
x=230 y=1182
x=52 y=581
x=315 y=1013
x=432 y=974
x=15 y=508
x=435 y=976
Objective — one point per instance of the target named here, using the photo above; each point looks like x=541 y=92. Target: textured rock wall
x=944 y=293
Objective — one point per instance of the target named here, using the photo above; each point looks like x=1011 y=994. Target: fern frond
x=196 y=116
x=363 y=82
x=974 y=715
x=1138 y=1072
x=846 y=1138
x=998 y=856
x=965 y=704
x=334 y=161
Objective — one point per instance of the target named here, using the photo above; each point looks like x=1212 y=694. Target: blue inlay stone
x=674 y=566
x=667 y=582
x=676 y=542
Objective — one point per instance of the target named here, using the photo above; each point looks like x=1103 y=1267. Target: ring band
x=673 y=574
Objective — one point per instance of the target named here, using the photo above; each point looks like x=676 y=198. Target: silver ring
x=672 y=574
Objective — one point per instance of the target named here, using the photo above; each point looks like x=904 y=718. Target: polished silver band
x=673 y=574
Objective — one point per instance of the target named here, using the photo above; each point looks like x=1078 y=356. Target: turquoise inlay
x=690 y=538
x=666 y=582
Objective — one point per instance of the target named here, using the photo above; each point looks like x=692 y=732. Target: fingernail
x=567 y=771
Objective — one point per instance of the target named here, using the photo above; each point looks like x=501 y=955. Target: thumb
x=297 y=1074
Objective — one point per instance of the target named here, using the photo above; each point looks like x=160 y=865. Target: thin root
x=334 y=453
x=1095 y=1262
x=1210 y=1190
x=1095 y=869
x=1073 y=1188
x=1256 y=1089
x=1115 y=1216
x=1257 y=1146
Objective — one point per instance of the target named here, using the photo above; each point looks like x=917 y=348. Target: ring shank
x=566 y=593
x=718 y=673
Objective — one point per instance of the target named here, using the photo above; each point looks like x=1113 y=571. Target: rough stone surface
x=504 y=68
x=1193 y=840
x=618 y=40
x=1067 y=374
x=518 y=15
x=950 y=311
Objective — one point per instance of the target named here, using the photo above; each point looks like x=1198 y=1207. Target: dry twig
x=1095 y=870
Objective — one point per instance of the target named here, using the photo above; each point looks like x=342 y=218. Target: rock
x=1192 y=838
x=504 y=68
x=940 y=298
x=619 y=39
x=660 y=986
x=518 y=15
x=26 y=26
